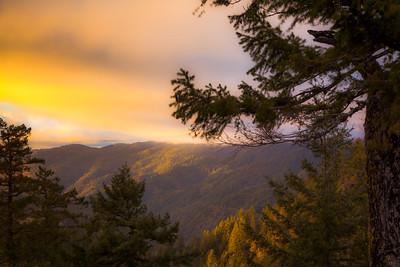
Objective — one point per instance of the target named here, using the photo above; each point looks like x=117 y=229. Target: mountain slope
x=197 y=184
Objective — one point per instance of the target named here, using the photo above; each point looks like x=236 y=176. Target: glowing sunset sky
x=98 y=71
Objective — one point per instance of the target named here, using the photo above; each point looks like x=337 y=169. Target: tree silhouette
x=351 y=65
x=16 y=191
x=123 y=230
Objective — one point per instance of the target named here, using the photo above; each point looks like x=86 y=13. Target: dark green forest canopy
x=313 y=86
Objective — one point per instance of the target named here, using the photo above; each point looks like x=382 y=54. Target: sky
x=98 y=72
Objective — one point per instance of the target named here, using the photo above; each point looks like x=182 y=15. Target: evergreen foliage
x=316 y=86
x=55 y=227
x=39 y=225
x=124 y=232
x=17 y=190
x=320 y=218
x=230 y=242
x=352 y=65
x=36 y=225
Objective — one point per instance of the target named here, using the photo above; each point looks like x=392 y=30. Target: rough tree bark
x=383 y=168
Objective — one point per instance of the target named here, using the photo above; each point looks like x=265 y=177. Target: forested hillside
x=198 y=185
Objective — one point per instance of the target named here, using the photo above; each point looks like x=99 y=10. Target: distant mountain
x=196 y=184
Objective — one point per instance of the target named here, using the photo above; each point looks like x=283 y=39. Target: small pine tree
x=16 y=191
x=211 y=259
x=229 y=243
x=54 y=226
x=35 y=220
x=318 y=221
x=238 y=250
x=123 y=231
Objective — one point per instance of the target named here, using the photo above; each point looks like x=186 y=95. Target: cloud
x=94 y=71
x=49 y=132
x=99 y=71
x=88 y=98
x=151 y=38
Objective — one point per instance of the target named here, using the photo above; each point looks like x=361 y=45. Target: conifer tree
x=238 y=251
x=321 y=220
x=351 y=65
x=35 y=220
x=123 y=231
x=230 y=242
x=54 y=226
x=16 y=191
x=211 y=259
x=320 y=217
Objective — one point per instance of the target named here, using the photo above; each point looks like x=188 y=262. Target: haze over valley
x=198 y=185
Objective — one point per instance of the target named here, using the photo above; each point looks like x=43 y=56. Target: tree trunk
x=382 y=139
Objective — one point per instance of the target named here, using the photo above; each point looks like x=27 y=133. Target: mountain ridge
x=198 y=184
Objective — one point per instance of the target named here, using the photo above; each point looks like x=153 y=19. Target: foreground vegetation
x=40 y=222
x=350 y=66
x=319 y=217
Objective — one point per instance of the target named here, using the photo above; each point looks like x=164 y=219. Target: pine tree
x=351 y=65
x=321 y=220
x=211 y=259
x=16 y=191
x=123 y=231
x=238 y=250
x=320 y=217
x=229 y=243
x=54 y=226
x=36 y=224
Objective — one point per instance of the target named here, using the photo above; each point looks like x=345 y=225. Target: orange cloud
x=85 y=69
x=86 y=98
